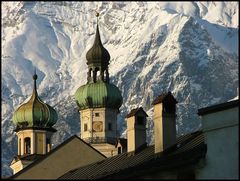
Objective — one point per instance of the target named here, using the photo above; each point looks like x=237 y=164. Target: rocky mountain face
x=188 y=48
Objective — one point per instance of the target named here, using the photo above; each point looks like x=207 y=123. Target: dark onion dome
x=35 y=113
x=99 y=94
x=97 y=54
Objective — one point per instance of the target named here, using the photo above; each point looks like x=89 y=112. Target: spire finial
x=35 y=86
x=97 y=15
x=35 y=75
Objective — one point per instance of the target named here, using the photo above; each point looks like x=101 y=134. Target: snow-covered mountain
x=189 y=48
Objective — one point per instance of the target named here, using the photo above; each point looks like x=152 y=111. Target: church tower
x=99 y=101
x=34 y=121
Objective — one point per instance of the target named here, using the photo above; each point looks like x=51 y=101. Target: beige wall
x=111 y=117
x=130 y=134
x=105 y=116
x=37 y=145
x=158 y=128
x=19 y=165
x=72 y=155
x=221 y=132
x=136 y=134
x=38 y=141
x=107 y=149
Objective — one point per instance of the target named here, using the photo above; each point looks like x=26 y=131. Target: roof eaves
x=218 y=107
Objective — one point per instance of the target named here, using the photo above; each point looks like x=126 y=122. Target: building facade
x=220 y=124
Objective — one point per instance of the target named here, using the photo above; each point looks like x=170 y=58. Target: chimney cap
x=165 y=97
x=133 y=112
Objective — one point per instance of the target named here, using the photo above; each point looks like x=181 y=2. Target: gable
x=73 y=153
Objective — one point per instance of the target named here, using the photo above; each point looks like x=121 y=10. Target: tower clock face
x=97 y=126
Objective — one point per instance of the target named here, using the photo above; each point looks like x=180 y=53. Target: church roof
x=80 y=148
x=99 y=94
x=34 y=113
x=188 y=150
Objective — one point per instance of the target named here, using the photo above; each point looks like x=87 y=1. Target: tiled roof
x=191 y=145
x=163 y=96
x=134 y=111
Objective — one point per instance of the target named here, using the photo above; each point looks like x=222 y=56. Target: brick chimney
x=136 y=129
x=164 y=118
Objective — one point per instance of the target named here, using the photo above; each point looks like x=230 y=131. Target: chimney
x=164 y=118
x=136 y=129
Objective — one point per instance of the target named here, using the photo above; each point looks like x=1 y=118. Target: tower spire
x=97 y=36
x=98 y=59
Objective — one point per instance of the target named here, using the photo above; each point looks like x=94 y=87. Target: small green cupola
x=35 y=113
x=98 y=92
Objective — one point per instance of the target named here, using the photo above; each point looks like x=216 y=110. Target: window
x=48 y=145
x=109 y=126
x=119 y=150
x=85 y=127
x=140 y=120
x=96 y=114
x=20 y=146
x=27 y=143
x=90 y=72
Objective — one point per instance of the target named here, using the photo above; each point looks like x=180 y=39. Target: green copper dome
x=99 y=94
x=35 y=113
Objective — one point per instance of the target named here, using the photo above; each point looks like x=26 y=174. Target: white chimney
x=164 y=118
x=136 y=129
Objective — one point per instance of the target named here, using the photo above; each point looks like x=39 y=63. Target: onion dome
x=35 y=113
x=99 y=94
x=97 y=54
